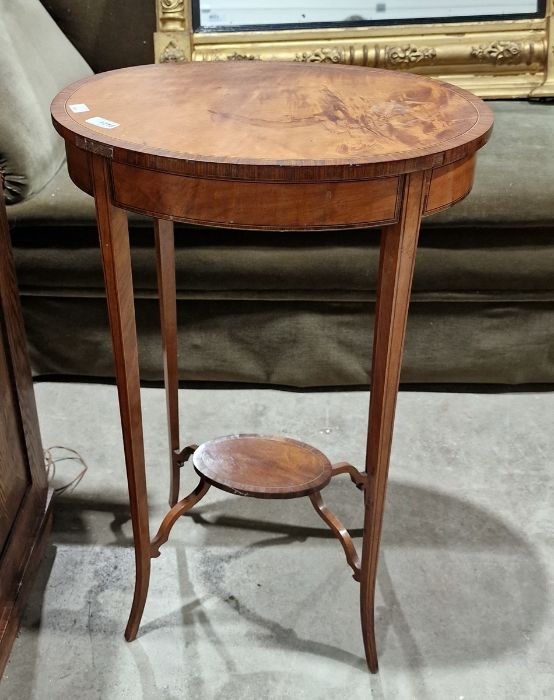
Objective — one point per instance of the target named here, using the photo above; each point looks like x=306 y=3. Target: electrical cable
x=50 y=464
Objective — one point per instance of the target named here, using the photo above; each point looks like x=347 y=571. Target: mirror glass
x=234 y=14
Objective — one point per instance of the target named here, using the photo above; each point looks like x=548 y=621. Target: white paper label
x=79 y=108
x=104 y=123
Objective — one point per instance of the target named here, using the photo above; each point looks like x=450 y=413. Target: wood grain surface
x=118 y=279
x=396 y=269
x=449 y=184
x=263 y=467
x=25 y=515
x=256 y=205
x=14 y=476
x=276 y=121
x=167 y=294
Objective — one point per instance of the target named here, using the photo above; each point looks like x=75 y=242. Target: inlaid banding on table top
x=241 y=120
x=262 y=466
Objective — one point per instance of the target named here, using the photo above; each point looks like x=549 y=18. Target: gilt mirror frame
x=504 y=58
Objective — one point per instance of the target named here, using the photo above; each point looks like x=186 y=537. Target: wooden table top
x=262 y=466
x=273 y=120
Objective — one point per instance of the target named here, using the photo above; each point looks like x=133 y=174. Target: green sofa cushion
x=36 y=62
x=482 y=264
x=514 y=183
x=59 y=203
x=301 y=344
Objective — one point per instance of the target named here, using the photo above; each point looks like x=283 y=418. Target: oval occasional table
x=265 y=146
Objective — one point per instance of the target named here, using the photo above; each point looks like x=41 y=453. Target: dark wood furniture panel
x=14 y=481
x=450 y=184
x=25 y=515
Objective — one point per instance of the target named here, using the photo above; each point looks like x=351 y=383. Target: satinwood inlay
x=282 y=115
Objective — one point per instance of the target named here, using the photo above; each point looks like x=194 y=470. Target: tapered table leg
x=116 y=260
x=165 y=263
x=398 y=249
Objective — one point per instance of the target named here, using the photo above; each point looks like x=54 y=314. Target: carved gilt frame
x=494 y=59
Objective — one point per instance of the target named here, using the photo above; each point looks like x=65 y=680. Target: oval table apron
x=265 y=146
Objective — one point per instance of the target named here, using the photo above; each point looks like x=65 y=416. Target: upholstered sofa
x=278 y=308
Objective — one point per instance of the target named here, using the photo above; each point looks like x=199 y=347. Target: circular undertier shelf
x=262 y=466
